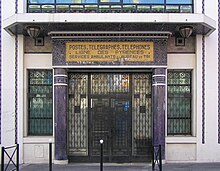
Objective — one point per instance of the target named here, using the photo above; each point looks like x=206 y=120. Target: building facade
x=134 y=73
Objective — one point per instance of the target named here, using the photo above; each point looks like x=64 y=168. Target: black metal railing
x=11 y=153
x=156 y=158
x=108 y=8
x=50 y=157
x=101 y=155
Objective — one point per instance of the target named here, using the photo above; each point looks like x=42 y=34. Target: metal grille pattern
x=109 y=97
x=142 y=113
x=100 y=126
x=109 y=83
x=179 y=102
x=78 y=114
x=40 y=102
x=121 y=120
x=110 y=114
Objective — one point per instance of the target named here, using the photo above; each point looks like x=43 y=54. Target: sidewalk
x=122 y=167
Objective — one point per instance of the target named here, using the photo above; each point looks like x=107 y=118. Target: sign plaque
x=109 y=51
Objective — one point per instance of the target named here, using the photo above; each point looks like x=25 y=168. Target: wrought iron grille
x=40 y=107
x=100 y=125
x=179 y=102
x=110 y=6
x=110 y=113
x=142 y=113
x=102 y=83
x=121 y=119
x=115 y=107
x=78 y=114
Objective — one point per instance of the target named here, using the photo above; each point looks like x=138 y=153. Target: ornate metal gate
x=115 y=107
x=110 y=114
x=78 y=114
x=141 y=114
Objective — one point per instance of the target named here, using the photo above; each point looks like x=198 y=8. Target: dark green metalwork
x=110 y=114
x=109 y=83
x=111 y=122
x=115 y=107
x=142 y=114
x=40 y=106
x=78 y=114
x=179 y=102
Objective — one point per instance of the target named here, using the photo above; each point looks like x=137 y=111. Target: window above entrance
x=110 y=6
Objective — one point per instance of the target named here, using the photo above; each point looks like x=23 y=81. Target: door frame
x=131 y=71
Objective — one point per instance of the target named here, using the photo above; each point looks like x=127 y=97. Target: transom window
x=124 y=1
x=40 y=107
x=110 y=6
x=179 y=102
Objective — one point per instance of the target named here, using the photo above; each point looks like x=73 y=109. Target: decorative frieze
x=60 y=77
x=159 y=79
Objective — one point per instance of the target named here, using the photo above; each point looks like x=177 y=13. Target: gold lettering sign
x=109 y=51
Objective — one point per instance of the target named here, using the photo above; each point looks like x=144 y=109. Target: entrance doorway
x=111 y=121
x=115 y=107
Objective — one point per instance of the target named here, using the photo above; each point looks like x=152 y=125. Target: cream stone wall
x=181 y=152
x=183 y=148
x=210 y=149
x=36 y=148
x=7 y=80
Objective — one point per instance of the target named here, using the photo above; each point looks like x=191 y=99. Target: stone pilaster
x=60 y=112
x=159 y=80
